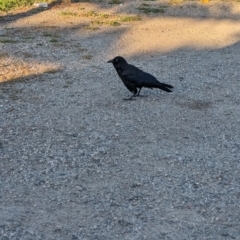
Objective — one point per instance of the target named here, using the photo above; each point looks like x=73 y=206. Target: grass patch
x=68 y=13
x=130 y=18
x=147 y=9
x=87 y=57
x=91 y=14
x=97 y=22
x=107 y=19
x=92 y=28
x=46 y=34
x=115 y=2
x=99 y=15
x=114 y=23
x=6 y=40
x=6 y=5
x=27 y=37
x=53 y=40
x=104 y=15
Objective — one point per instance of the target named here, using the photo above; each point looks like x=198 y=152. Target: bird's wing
x=137 y=76
x=132 y=74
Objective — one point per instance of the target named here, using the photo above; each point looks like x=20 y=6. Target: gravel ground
x=78 y=162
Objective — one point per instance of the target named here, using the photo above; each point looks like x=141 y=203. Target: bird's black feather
x=134 y=78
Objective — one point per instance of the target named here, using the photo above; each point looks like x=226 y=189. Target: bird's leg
x=138 y=94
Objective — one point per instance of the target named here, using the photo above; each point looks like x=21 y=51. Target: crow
x=134 y=78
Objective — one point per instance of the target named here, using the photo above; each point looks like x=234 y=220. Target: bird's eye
x=116 y=60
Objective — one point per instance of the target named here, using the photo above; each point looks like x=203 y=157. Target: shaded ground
x=78 y=162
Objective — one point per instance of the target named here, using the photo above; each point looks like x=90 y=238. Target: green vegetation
x=145 y=8
x=114 y=23
x=87 y=57
x=115 y=2
x=27 y=37
x=6 y=40
x=112 y=20
x=53 y=37
x=97 y=22
x=104 y=15
x=130 y=18
x=53 y=40
x=68 y=13
x=91 y=14
x=92 y=28
x=6 y=5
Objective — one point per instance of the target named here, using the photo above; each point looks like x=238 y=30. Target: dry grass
x=69 y=13
x=176 y=2
x=99 y=18
x=15 y=68
x=128 y=18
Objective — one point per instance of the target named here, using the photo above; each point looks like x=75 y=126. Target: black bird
x=134 y=78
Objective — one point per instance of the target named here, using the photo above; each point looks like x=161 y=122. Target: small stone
x=41 y=5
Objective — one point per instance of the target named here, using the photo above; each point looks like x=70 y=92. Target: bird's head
x=117 y=61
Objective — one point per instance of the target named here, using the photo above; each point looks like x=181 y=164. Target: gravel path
x=78 y=162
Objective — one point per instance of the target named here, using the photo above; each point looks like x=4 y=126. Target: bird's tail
x=165 y=87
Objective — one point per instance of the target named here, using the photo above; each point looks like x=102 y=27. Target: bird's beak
x=110 y=61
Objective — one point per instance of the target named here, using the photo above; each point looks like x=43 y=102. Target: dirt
x=79 y=162
x=190 y=25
